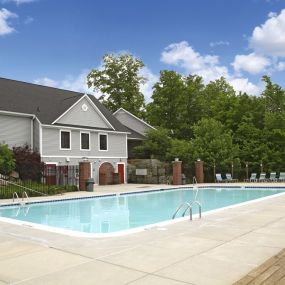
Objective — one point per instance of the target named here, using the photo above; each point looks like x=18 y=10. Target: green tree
x=7 y=161
x=213 y=144
x=162 y=111
x=119 y=82
x=189 y=106
x=155 y=145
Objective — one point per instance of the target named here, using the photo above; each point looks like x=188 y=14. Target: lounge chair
x=262 y=177
x=281 y=177
x=230 y=179
x=253 y=177
x=219 y=178
x=272 y=177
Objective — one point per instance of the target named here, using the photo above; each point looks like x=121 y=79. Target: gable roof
x=46 y=103
x=133 y=116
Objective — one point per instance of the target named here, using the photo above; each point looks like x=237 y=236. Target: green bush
x=7 y=161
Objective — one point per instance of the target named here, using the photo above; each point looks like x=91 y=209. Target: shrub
x=28 y=163
x=7 y=161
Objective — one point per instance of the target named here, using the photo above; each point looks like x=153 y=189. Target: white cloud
x=46 y=82
x=73 y=83
x=5 y=27
x=183 y=55
x=280 y=66
x=269 y=38
x=208 y=66
x=18 y=2
x=146 y=88
x=219 y=43
x=243 y=85
x=251 y=63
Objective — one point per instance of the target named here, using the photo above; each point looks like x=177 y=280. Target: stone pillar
x=177 y=172
x=199 y=171
x=84 y=174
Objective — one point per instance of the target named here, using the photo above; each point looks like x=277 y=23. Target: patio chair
x=262 y=177
x=281 y=177
x=230 y=179
x=219 y=178
x=253 y=177
x=273 y=177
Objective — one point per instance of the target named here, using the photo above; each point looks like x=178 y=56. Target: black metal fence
x=54 y=180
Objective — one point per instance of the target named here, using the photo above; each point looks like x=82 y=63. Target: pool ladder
x=24 y=195
x=188 y=206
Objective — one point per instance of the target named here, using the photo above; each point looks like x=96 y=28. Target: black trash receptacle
x=89 y=184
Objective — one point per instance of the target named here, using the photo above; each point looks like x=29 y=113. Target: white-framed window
x=65 y=140
x=103 y=142
x=84 y=140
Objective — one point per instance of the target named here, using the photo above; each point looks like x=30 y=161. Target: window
x=85 y=141
x=103 y=142
x=65 y=141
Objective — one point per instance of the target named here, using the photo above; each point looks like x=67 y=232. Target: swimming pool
x=116 y=213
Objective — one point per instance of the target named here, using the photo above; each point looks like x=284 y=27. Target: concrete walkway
x=218 y=249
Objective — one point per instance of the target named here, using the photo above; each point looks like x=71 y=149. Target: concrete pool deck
x=221 y=248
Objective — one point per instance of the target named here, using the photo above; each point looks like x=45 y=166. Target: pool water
x=117 y=213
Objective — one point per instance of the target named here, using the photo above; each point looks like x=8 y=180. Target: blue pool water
x=116 y=213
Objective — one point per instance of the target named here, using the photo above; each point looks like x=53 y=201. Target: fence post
x=199 y=171
x=84 y=174
x=177 y=172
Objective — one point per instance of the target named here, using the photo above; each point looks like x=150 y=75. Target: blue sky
x=56 y=43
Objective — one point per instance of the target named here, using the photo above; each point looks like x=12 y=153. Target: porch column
x=84 y=174
x=199 y=171
x=177 y=172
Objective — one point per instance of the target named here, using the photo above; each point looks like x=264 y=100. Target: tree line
x=195 y=120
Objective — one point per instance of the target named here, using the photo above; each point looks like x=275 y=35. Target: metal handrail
x=25 y=194
x=15 y=194
x=182 y=205
x=194 y=180
x=189 y=206
x=21 y=186
x=200 y=209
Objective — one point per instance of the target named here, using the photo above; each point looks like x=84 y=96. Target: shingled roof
x=47 y=103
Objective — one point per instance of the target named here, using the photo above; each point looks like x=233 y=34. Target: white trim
x=92 y=104
x=16 y=114
x=142 y=121
x=67 y=131
x=120 y=162
x=76 y=128
x=103 y=134
x=127 y=155
x=83 y=149
x=82 y=156
x=40 y=138
x=49 y=163
x=32 y=133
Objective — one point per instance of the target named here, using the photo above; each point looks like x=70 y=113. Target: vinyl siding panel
x=15 y=130
x=36 y=135
x=51 y=144
x=132 y=122
x=90 y=118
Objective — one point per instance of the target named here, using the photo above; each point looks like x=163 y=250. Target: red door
x=121 y=171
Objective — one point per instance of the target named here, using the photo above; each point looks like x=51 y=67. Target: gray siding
x=51 y=144
x=15 y=130
x=131 y=122
x=36 y=135
x=90 y=118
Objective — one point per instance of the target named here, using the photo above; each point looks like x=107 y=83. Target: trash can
x=183 y=179
x=89 y=184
